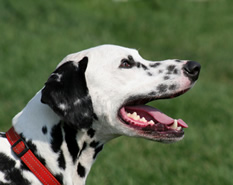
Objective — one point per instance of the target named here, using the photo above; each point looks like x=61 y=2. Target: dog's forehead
x=114 y=50
x=102 y=52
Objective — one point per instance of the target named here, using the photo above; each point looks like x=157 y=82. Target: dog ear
x=67 y=94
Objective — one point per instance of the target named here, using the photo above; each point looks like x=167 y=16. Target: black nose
x=192 y=70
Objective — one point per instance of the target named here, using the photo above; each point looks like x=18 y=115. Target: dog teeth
x=151 y=122
x=174 y=125
x=136 y=117
x=143 y=120
x=134 y=114
x=179 y=128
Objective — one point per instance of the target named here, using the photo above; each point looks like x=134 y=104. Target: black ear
x=67 y=94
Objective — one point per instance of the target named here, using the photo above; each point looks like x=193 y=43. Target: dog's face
x=108 y=86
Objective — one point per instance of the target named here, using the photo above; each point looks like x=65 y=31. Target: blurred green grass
x=36 y=35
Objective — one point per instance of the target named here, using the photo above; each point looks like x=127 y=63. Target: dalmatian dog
x=92 y=97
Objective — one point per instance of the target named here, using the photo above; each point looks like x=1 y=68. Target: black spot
x=15 y=176
x=155 y=65
x=130 y=58
x=172 y=87
x=70 y=88
x=94 y=144
x=6 y=162
x=70 y=138
x=139 y=65
x=153 y=93
x=175 y=71
x=44 y=130
x=61 y=160
x=162 y=88
x=34 y=151
x=57 y=138
x=144 y=67
x=59 y=177
x=2 y=134
x=150 y=74
x=160 y=71
x=171 y=68
x=91 y=132
x=7 y=166
x=24 y=166
x=97 y=150
x=83 y=148
x=166 y=77
x=95 y=117
x=177 y=60
x=81 y=170
x=31 y=146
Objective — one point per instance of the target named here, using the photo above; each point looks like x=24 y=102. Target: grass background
x=36 y=35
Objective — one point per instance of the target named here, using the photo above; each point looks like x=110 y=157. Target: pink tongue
x=182 y=123
x=156 y=114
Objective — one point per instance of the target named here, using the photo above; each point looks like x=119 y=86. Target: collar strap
x=21 y=150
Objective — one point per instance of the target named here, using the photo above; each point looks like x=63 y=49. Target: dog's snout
x=192 y=70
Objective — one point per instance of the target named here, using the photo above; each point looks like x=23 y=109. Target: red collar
x=22 y=151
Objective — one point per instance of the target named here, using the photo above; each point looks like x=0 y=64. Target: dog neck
x=68 y=153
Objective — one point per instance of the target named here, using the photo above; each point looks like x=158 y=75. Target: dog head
x=108 y=86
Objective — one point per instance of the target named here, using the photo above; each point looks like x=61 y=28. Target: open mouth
x=150 y=122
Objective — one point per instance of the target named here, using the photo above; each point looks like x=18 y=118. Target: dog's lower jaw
x=67 y=153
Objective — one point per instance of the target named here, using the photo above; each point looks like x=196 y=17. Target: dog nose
x=192 y=70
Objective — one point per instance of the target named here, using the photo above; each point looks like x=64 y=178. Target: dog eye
x=125 y=63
